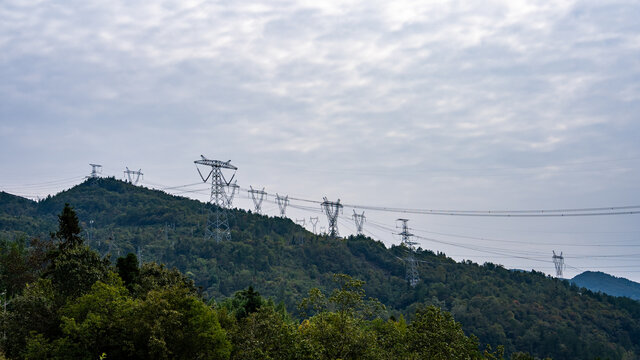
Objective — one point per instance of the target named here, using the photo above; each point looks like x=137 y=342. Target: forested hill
x=600 y=282
x=525 y=311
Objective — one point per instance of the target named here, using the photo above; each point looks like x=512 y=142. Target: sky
x=492 y=105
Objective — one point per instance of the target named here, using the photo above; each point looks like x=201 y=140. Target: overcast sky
x=416 y=104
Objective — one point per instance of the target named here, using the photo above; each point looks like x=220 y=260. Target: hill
x=524 y=311
x=600 y=282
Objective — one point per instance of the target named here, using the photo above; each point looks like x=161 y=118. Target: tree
x=337 y=329
x=433 y=334
x=128 y=270
x=100 y=321
x=266 y=334
x=75 y=269
x=35 y=310
x=244 y=303
x=68 y=228
x=172 y=323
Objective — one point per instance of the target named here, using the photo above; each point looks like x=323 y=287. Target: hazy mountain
x=601 y=282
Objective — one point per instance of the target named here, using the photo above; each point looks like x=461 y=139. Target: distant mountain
x=598 y=281
x=522 y=310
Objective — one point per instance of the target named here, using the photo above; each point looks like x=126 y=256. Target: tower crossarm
x=215 y=163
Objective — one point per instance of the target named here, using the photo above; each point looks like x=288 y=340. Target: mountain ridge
x=599 y=281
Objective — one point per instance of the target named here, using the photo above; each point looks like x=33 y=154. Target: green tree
x=75 y=269
x=34 y=311
x=337 y=330
x=434 y=334
x=244 y=303
x=128 y=270
x=68 y=228
x=170 y=323
x=266 y=334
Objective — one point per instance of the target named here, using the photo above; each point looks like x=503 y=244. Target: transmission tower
x=558 y=261
x=359 y=220
x=301 y=222
x=323 y=230
x=332 y=209
x=96 y=170
x=233 y=188
x=314 y=222
x=90 y=233
x=139 y=256
x=410 y=261
x=217 y=219
x=257 y=196
x=282 y=204
x=130 y=175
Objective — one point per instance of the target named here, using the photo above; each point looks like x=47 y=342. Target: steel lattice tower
x=233 y=188
x=332 y=209
x=282 y=204
x=96 y=170
x=359 y=220
x=314 y=222
x=558 y=261
x=129 y=174
x=217 y=218
x=410 y=261
x=257 y=196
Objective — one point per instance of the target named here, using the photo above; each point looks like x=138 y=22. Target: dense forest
x=521 y=311
x=70 y=303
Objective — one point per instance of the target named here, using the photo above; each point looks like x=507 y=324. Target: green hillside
x=524 y=311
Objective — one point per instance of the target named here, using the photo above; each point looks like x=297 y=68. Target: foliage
x=433 y=334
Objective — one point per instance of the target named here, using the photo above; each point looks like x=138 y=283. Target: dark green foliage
x=128 y=270
x=68 y=229
x=244 y=303
x=433 y=334
x=21 y=263
x=75 y=269
x=35 y=310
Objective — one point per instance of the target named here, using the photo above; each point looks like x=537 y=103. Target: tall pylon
x=282 y=204
x=139 y=256
x=314 y=222
x=299 y=238
x=558 y=261
x=130 y=175
x=257 y=196
x=332 y=209
x=217 y=219
x=96 y=170
x=410 y=261
x=359 y=220
x=233 y=189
